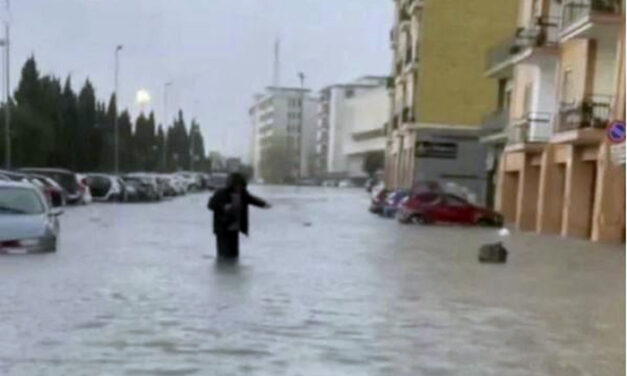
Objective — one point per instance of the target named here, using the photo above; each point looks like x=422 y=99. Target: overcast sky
x=217 y=53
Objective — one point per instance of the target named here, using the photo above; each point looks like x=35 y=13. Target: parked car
x=433 y=207
x=329 y=183
x=378 y=201
x=218 y=180
x=393 y=201
x=346 y=183
x=27 y=222
x=105 y=187
x=146 y=188
x=51 y=189
x=76 y=192
x=156 y=189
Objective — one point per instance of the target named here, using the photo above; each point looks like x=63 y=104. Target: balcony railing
x=495 y=121
x=541 y=32
x=532 y=127
x=575 y=10
x=594 y=111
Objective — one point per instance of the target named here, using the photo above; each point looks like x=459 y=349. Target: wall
x=605 y=67
x=467 y=169
x=455 y=34
x=574 y=56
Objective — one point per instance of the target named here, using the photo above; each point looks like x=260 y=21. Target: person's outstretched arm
x=254 y=200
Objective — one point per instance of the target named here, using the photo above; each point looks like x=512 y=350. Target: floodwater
x=323 y=288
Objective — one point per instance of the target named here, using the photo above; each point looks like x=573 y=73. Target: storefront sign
x=443 y=150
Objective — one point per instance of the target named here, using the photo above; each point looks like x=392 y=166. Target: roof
x=47 y=169
x=16 y=184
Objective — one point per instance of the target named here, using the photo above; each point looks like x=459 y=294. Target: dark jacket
x=221 y=218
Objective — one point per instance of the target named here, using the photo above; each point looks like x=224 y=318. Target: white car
x=104 y=187
x=28 y=224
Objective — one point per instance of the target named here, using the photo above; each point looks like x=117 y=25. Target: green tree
x=87 y=135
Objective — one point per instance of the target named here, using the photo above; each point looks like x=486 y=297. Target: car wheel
x=420 y=219
x=485 y=222
x=404 y=219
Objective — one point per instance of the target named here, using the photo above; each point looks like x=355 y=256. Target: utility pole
x=116 y=141
x=301 y=76
x=7 y=84
x=191 y=144
x=166 y=86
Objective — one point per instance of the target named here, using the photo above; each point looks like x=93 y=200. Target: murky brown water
x=135 y=290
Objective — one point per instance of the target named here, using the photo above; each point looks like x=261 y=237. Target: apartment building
x=289 y=112
x=333 y=123
x=555 y=175
x=438 y=91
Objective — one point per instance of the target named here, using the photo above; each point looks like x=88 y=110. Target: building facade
x=555 y=176
x=438 y=92
x=334 y=123
x=366 y=120
x=289 y=113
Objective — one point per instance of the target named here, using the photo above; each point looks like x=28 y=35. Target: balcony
x=532 y=128
x=593 y=112
x=590 y=18
x=541 y=33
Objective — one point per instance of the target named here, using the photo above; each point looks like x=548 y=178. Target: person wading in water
x=230 y=214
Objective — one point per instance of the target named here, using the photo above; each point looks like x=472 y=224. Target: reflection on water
x=347 y=294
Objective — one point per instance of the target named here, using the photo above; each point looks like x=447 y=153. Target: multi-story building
x=291 y=113
x=334 y=127
x=555 y=175
x=439 y=94
x=366 y=119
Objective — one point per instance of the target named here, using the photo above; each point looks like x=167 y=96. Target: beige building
x=567 y=85
x=439 y=93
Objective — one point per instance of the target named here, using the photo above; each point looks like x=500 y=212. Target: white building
x=288 y=110
x=351 y=120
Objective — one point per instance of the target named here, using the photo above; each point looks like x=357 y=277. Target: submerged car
x=145 y=188
x=105 y=187
x=76 y=192
x=28 y=224
x=393 y=201
x=432 y=207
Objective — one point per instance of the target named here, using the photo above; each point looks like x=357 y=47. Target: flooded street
x=323 y=288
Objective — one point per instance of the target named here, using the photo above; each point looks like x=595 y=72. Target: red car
x=431 y=207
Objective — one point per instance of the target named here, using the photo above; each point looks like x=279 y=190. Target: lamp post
x=7 y=87
x=301 y=77
x=166 y=86
x=116 y=150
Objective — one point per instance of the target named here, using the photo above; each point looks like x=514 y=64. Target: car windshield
x=20 y=201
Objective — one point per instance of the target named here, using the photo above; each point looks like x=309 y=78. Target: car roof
x=47 y=169
x=16 y=184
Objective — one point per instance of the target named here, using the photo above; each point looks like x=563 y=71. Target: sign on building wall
x=616 y=135
x=442 y=150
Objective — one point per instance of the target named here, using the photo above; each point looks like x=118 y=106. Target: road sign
x=617 y=154
x=616 y=132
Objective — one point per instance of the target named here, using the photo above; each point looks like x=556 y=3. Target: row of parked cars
x=429 y=204
x=31 y=199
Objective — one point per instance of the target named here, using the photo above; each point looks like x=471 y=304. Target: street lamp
x=301 y=77
x=166 y=86
x=7 y=87
x=115 y=118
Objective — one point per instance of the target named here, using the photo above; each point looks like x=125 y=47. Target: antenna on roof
x=276 y=79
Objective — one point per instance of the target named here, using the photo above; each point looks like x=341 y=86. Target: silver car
x=27 y=222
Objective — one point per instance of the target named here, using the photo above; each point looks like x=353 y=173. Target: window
x=455 y=201
x=428 y=198
x=350 y=93
x=527 y=97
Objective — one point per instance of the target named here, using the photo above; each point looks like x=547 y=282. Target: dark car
x=145 y=189
x=75 y=191
x=433 y=207
x=393 y=201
